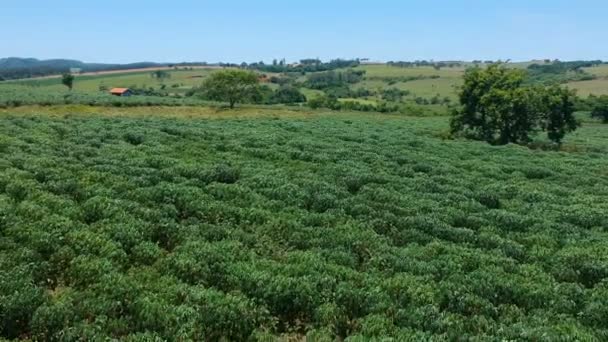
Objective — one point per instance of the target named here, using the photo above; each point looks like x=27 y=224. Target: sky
x=125 y=31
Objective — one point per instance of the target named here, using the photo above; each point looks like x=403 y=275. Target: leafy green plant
x=342 y=227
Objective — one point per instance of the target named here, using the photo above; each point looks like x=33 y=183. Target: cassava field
x=157 y=223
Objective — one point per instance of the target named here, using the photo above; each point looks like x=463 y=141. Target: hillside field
x=184 y=79
x=598 y=86
x=142 y=225
x=422 y=83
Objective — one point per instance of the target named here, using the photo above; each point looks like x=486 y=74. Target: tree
x=496 y=107
x=231 y=86
x=160 y=75
x=559 y=113
x=600 y=108
x=288 y=94
x=67 y=80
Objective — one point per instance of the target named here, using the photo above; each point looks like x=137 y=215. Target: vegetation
x=599 y=107
x=287 y=94
x=169 y=229
x=435 y=65
x=15 y=68
x=160 y=75
x=560 y=72
x=67 y=80
x=305 y=66
x=416 y=87
x=19 y=96
x=328 y=79
x=497 y=108
x=230 y=85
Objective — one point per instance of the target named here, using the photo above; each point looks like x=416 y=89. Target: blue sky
x=238 y=30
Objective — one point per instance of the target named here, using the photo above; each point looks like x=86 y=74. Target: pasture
x=585 y=88
x=150 y=223
x=598 y=86
x=183 y=79
x=423 y=82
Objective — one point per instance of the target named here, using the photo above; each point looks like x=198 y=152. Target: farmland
x=598 y=86
x=91 y=83
x=175 y=223
x=423 y=89
x=305 y=171
x=168 y=216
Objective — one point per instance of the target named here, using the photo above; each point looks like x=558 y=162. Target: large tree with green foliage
x=67 y=80
x=496 y=107
x=230 y=85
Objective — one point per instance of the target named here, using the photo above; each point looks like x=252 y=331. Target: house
x=121 y=92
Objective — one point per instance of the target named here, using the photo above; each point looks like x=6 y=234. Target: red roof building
x=121 y=92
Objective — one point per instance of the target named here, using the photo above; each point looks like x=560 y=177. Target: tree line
x=304 y=66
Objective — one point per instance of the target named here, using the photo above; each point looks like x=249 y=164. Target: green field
x=362 y=101
x=150 y=224
x=450 y=78
x=586 y=88
x=185 y=79
x=393 y=71
x=598 y=86
x=600 y=71
x=444 y=82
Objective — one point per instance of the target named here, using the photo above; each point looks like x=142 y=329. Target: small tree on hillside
x=160 y=75
x=497 y=108
x=67 y=80
x=230 y=85
x=600 y=108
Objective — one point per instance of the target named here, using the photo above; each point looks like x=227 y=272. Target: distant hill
x=16 y=67
x=24 y=63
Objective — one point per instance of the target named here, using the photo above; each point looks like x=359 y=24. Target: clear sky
x=239 y=30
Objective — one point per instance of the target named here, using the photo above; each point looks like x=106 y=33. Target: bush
x=345 y=227
x=223 y=173
x=134 y=138
x=599 y=107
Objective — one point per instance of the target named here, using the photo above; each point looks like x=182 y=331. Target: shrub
x=134 y=138
x=489 y=200
x=223 y=173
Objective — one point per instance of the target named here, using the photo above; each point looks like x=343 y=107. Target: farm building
x=121 y=92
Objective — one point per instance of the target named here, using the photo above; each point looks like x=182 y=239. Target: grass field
x=161 y=223
x=598 y=86
x=377 y=77
x=183 y=78
x=393 y=71
x=600 y=71
x=362 y=101
x=444 y=86
x=586 y=88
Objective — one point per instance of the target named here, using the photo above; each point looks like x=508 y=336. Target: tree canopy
x=67 y=80
x=160 y=75
x=498 y=108
x=599 y=107
x=230 y=85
